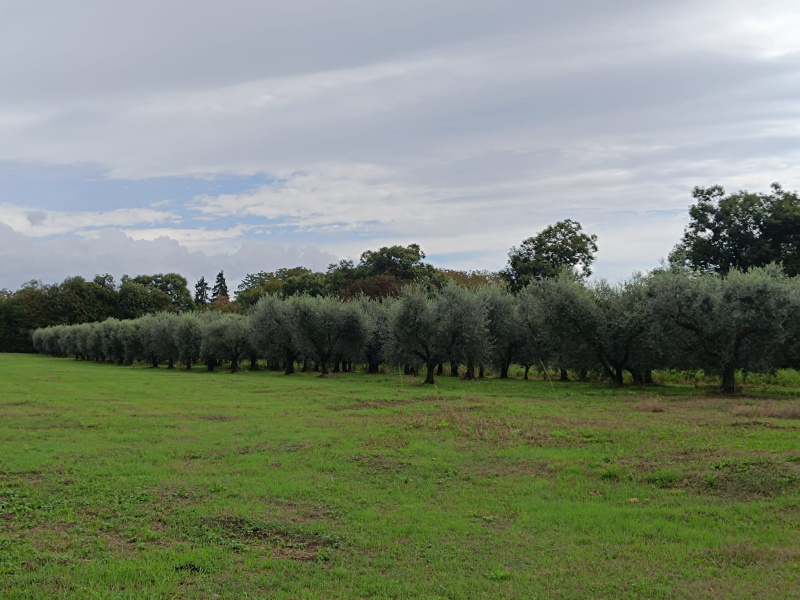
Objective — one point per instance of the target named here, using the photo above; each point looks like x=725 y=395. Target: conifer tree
x=220 y=287
x=201 y=290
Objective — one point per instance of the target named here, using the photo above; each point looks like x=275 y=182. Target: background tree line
x=379 y=274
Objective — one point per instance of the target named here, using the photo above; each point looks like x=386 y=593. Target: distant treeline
x=669 y=319
x=379 y=274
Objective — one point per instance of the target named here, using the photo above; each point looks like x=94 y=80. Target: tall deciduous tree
x=740 y=231
x=255 y=286
x=548 y=253
x=171 y=284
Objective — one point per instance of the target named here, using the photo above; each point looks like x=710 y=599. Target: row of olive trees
x=748 y=321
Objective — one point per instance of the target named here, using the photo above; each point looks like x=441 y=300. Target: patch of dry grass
x=653 y=406
x=767 y=410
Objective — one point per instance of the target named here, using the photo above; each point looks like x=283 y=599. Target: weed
x=499 y=575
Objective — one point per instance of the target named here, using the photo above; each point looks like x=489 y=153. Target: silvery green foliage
x=70 y=344
x=419 y=331
x=376 y=312
x=738 y=321
x=225 y=337
x=93 y=342
x=790 y=350
x=272 y=331
x=464 y=313
x=327 y=328
x=130 y=334
x=188 y=338
x=506 y=328
x=39 y=339
x=110 y=340
x=607 y=321
x=622 y=324
x=537 y=311
x=159 y=337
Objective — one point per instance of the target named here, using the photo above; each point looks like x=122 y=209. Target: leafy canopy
x=740 y=231
x=547 y=254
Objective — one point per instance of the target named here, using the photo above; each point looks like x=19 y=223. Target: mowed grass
x=120 y=482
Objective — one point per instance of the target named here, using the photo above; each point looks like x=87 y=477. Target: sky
x=199 y=136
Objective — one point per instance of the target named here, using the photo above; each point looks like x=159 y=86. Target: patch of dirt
x=301 y=512
x=748 y=480
x=284 y=540
x=389 y=442
x=285 y=446
x=743 y=555
x=757 y=423
x=217 y=418
x=472 y=424
x=380 y=463
x=511 y=468
x=12 y=479
x=652 y=406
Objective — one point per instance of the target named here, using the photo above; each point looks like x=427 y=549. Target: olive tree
x=506 y=329
x=377 y=314
x=188 y=338
x=418 y=331
x=328 y=327
x=737 y=321
x=272 y=333
x=464 y=316
x=226 y=337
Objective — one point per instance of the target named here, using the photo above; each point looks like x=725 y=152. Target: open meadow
x=133 y=482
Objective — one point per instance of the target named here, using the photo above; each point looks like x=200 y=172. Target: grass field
x=120 y=482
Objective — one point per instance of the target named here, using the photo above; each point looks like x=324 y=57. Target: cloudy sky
x=246 y=135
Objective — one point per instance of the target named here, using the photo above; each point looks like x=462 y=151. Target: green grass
x=119 y=482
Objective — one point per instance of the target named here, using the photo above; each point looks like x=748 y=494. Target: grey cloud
x=114 y=252
x=36 y=217
x=506 y=114
x=91 y=46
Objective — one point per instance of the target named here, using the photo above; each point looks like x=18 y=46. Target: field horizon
x=121 y=482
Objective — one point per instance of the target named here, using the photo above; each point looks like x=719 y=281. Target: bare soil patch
x=284 y=540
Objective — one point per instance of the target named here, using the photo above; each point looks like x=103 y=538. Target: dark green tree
x=171 y=284
x=301 y=281
x=220 y=287
x=137 y=299
x=740 y=231
x=201 y=290
x=549 y=252
x=257 y=285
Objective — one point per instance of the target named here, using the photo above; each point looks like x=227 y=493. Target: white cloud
x=43 y=223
